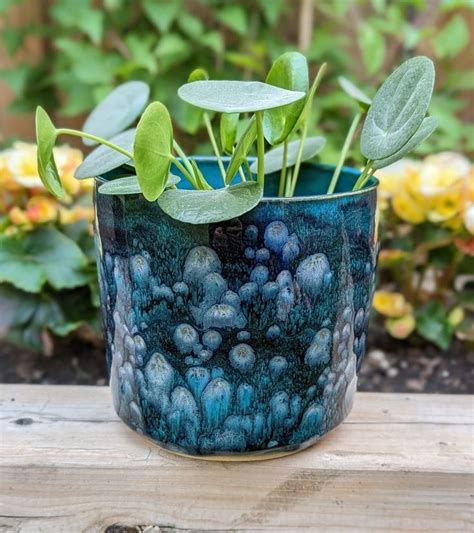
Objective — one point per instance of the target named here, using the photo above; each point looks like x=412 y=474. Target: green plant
x=90 y=47
x=395 y=125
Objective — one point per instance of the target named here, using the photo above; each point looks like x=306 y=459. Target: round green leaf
x=117 y=111
x=289 y=71
x=354 y=92
x=398 y=108
x=206 y=207
x=103 y=159
x=152 y=150
x=426 y=128
x=273 y=160
x=130 y=185
x=198 y=74
x=228 y=131
x=236 y=96
x=45 y=139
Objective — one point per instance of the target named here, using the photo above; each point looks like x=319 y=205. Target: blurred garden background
x=68 y=54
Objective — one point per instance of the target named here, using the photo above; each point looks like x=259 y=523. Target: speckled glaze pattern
x=242 y=337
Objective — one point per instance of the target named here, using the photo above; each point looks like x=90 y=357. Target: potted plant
x=236 y=291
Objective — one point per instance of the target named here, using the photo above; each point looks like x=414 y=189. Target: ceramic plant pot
x=242 y=339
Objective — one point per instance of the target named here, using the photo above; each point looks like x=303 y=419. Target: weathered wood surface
x=399 y=463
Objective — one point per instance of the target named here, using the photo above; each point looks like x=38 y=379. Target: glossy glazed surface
x=240 y=337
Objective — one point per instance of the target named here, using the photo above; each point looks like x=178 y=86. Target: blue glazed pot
x=242 y=339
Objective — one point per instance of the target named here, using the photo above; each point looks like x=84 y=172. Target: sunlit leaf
x=398 y=108
x=228 y=131
x=273 y=159
x=241 y=150
x=206 y=207
x=236 y=96
x=45 y=139
x=103 y=159
x=117 y=111
x=289 y=71
x=152 y=150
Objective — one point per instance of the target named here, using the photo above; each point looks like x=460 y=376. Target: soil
x=389 y=366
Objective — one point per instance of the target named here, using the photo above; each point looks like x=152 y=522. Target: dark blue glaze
x=244 y=336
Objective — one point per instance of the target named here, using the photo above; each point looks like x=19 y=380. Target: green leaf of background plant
x=354 y=92
x=234 y=17
x=152 y=150
x=398 y=108
x=228 y=131
x=44 y=255
x=426 y=128
x=192 y=115
x=46 y=139
x=372 y=46
x=206 y=207
x=452 y=39
x=241 y=150
x=432 y=324
x=103 y=159
x=163 y=13
x=236 y=96
x=130 y=185
x=273 y=159
x=121 y=107
x=289 y=71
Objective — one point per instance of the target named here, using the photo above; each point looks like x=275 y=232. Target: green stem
x=367 y=178
x=185 y=172
x=299 y=156
x=288 y=185
x=76 y=133
x=363 y=175
x=242 y=175
x=207 y=122
x=183 y=156
x=247 y=169
x=260 y=149
x=281 y=187
x=345 y=149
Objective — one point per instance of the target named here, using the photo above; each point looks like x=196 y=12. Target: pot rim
x=374 y=182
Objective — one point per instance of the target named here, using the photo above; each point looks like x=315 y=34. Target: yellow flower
x=74 y=214
x=22 y=165
x=393 y=178
x=445 y=206
x=406 y=208
x=442 y=172
x=391 y=304
x=468 y=218
x=40 y=209
x=7 y=181
x=402 y=327
x=18 y=217
x=67 y=160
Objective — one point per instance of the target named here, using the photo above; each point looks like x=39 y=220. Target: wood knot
x=24 y=421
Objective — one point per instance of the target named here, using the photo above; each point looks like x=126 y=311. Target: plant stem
x=288 y=185
x=242 y=175
x=247 y=169
x=76 y=133
x=281 y=187
x=299 y=156
x=183 y=156
x=345 y=149
x=185 y=172
x=260 y=149
x=208 y=124
x=364 y=177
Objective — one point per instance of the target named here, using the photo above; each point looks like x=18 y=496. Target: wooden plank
x=399 y=463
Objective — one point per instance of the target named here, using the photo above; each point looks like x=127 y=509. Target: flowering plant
x=427 y=258
x=47 y=278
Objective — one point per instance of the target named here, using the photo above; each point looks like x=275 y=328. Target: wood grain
x=399 y=463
